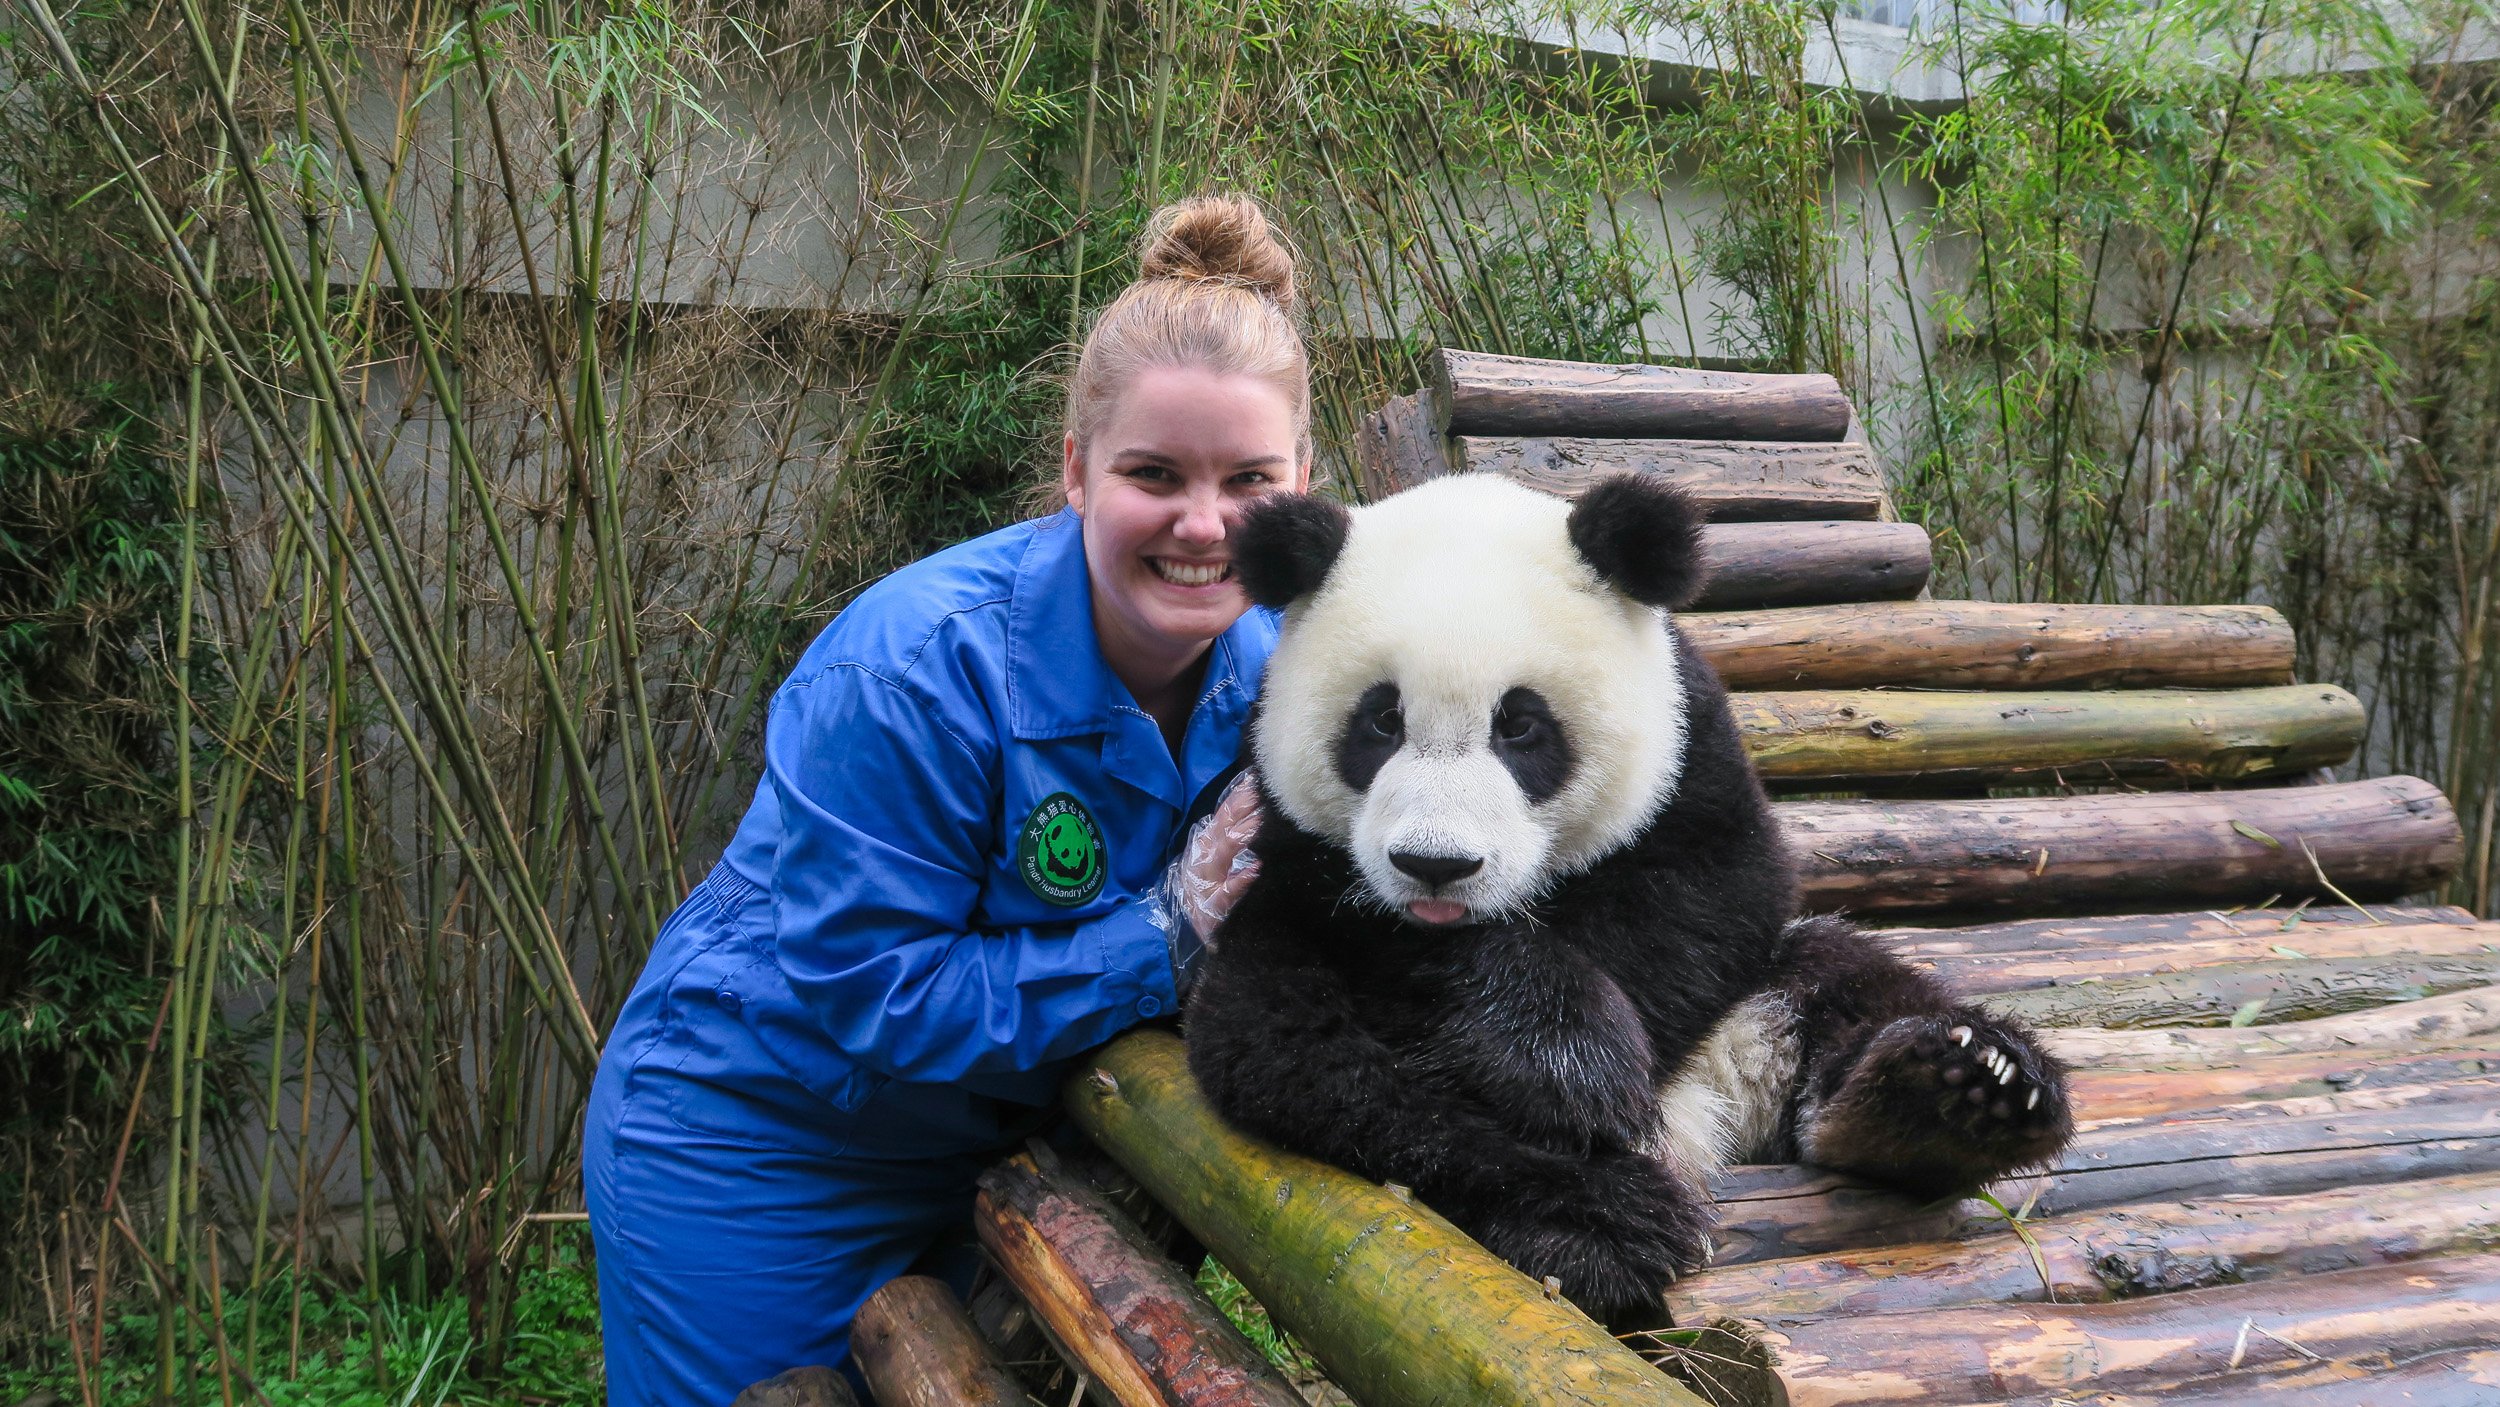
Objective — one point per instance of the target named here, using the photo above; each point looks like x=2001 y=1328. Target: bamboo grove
x=458 y=414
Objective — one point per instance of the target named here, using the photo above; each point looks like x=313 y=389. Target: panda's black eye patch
x=1375 y=730
x=1530 y=742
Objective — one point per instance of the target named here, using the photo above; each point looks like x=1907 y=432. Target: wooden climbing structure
x=2120 y=822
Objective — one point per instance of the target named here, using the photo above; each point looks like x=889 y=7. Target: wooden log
x=1399 y=1306
x=2291 y=1146
x=1477 y=393
x=2118 y=1253
x=917 y=1348
x=2112 y=1094
x=2463 y=1377
x=1731 y=480
x=2285 y=989
x=2180 y=735
x=1799 y=564
x=1396 y=447
x=1985 y=645
x=2392 y=1312
x=1130 y=1318
x=2431 y=1023
x=800 y=1387
x=2102 y=933
x=2373 y=839
x=2017 y=971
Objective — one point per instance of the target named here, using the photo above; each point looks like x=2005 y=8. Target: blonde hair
x=1214 y=289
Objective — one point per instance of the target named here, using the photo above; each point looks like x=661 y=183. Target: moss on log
x=1986 y=645
x=2179 y=735
x=2377 y=838
x=1478 y=393
x=1731 y=480
x=2118 y=1253
x=917 y=1348
x=1121 y=1310
x=1400 y=1306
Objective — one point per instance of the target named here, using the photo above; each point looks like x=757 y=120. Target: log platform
x=2125 y=823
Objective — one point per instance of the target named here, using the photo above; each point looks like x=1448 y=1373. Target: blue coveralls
x=926 y=913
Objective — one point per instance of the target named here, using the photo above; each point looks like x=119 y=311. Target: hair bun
x=1219 y=239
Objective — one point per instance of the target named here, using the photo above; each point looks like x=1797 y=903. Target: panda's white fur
x=1460 y=590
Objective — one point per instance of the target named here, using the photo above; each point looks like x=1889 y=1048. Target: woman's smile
x=1192 y=575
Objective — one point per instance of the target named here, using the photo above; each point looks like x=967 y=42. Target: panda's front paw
x=1944 y=1103
x=1621 y=1229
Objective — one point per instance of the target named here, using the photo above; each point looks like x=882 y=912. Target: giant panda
x=1523 y=935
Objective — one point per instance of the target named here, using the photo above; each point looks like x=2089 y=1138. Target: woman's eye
x=1150 y=473
x=1253 y=478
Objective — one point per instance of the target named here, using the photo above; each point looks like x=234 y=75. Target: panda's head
x=1475 y=692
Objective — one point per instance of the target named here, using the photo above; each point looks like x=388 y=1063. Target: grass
x=428 y=1350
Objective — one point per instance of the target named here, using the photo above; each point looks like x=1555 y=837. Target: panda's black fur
x=1511 y=1072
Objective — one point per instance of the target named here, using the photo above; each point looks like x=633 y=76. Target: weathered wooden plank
x=2181 y=735
x=2369 y=1134
x=2112 y=1094
x=2064 y=967
x=2379 y=838
x=2101 y=933
x=1127 y=1315
x=917 y=1348
x=1798 y=564
x=2284 y=989
x=2429 y=1024
x=1396 y=447
x=2117 y=1253
x=1731 y=480
x=1399 y=1306
x=1986 y=645
x=2381 y=1313
x=2462 y=1377
x=1477 y=393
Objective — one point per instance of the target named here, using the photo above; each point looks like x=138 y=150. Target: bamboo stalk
x=1397 y=1304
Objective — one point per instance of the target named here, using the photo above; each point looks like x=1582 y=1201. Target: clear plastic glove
x=1215 y=864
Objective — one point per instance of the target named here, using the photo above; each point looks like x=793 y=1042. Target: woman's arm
x=888 y=824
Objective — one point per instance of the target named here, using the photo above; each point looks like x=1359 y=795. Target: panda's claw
x=1960 y=1035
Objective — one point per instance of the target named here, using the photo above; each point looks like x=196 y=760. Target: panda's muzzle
x=1435 y=870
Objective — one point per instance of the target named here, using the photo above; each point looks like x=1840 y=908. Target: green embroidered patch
x=1060 y=853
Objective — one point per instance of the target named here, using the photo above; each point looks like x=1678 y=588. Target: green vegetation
x=426 y=431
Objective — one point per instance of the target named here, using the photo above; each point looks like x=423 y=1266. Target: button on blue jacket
x=930 y=908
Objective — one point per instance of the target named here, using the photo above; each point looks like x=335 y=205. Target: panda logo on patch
x=1060 y=853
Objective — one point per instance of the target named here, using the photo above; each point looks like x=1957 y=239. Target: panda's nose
x=1436 y=869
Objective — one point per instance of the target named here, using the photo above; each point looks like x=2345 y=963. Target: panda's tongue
x=1438 y=910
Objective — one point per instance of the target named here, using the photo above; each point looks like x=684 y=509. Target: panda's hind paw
x=1949 y=1100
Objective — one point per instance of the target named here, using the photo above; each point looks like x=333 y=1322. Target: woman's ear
x=1642 y=538
x=1285 y=545
x=1072 y=474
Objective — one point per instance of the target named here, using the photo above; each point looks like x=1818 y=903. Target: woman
x=946 y=887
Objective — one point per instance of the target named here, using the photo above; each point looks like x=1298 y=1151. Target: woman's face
x=1183 y=450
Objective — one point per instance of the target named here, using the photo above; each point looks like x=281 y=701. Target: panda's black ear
x=1643 y=537
x=1285 y=545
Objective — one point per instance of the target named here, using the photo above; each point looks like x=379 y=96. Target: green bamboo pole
x=1400 y=1306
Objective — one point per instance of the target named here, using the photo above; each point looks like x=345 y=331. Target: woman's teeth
x=1191 y=574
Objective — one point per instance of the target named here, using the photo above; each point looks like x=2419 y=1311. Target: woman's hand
x=1216 y=865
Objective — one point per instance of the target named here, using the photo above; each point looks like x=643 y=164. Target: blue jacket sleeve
x=887 y=827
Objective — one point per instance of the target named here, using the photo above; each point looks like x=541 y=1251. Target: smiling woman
x=976 y=780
